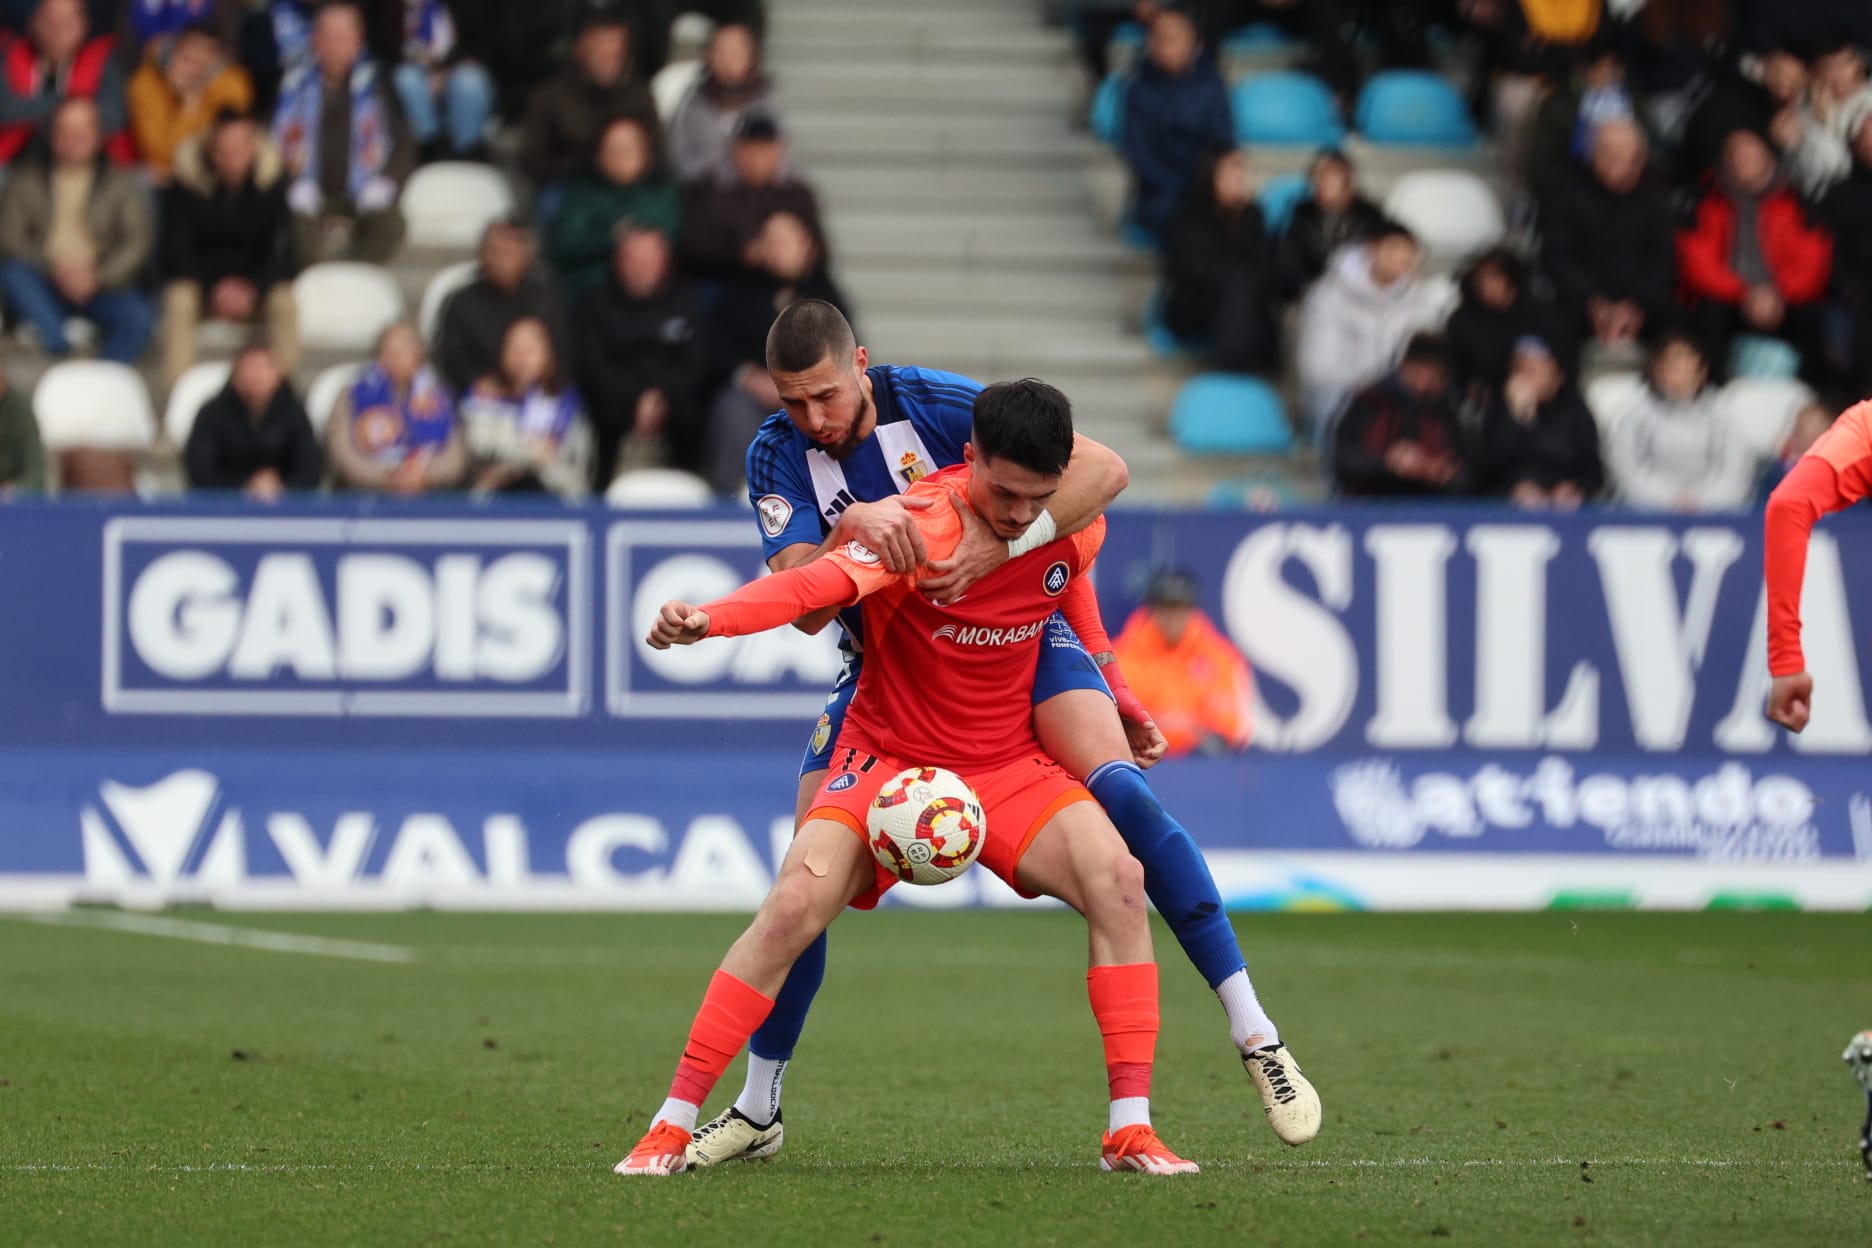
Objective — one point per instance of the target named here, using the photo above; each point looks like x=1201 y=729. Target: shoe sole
x=1106 y=1165
x=760 y=1152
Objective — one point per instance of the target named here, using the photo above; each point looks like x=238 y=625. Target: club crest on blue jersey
x=841 y=783
x=1057 y=575
x=913 y=467
x=775 y=512
x=822 y=734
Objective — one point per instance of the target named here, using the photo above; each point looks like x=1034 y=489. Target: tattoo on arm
x=1104 y=657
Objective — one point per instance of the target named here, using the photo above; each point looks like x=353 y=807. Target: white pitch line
x=219 y=934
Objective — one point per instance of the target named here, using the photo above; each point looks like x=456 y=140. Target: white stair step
x=1073 y=296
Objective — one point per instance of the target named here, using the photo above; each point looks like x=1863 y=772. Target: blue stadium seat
x=1413 y=107
x=1286 y=109
x=1280 y=196
x=1752 y=355
x=1259 y=37
x=1229 y=414
x=1163 y=341
x=1135 y=236
x=1128 y=35
x=1108 y=105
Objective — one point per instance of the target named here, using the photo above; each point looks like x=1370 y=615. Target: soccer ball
x=926 y=826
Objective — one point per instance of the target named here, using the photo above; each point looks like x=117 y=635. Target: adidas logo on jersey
x=971 y=635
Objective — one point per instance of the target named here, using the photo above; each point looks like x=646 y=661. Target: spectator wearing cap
x=395 y=429
x=1817 y=135
x=446 y=93
x=1668 y=448
x=1333 y=215
x=55 y=59
x=1752 y=262
x=506 y=288
x=1176 y=109
x=1192 y=678
x=1218 y=283
x=723 y=216
x=184 y=83
x=22 y=455
x=1358 y=317
x=1595 y=92
x=254 y=436
x=1608 y=240
x=1847 y=212
x=1498 y=309
x=565 y=113
x=622 y=185
x=733 y=84
x=227 y=247
x=345 y=144
x=1402 y=436
x=1540 y=444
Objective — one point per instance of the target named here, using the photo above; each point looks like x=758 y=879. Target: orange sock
x=1124 y=1000
x=729 y=1015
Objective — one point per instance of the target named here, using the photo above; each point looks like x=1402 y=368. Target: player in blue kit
x=831 y=469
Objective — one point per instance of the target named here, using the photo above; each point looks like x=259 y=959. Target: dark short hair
x=807 y=332
x=1389 y=228
x=1026 y=422
x=1426 y=347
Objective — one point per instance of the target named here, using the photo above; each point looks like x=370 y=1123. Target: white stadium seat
x=1452 y=212
x=94 y=403
x=659 y=487
x=191 y=390
x=437 y=292
x=344 y=305
x=672 y=86
x=327 y=388
x=450 y=203
x=1608 y=395
x=1759 y=411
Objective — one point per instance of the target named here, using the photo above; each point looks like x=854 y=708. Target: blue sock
x=777 y=1036
x=1175 y=875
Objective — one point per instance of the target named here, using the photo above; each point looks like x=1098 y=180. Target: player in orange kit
x=1835 y=473
x=925 y=663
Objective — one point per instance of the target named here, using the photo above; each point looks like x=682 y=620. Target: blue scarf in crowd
x=535 y=415
x=292 y=34
x=387 y=430
x=150 y=19
x=296 y=125
x=428 y=28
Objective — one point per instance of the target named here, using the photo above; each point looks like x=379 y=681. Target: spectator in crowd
x=652 y=23
x=733 y=84
x=1497 y=311
x=790 y=268
x=1357 y=317
x=446 y=94
x=1216 y=264
x=151 y=20
x=1752 y=262
x=507 y=288
x=1747 y=94
x=622 y=185
x=1193 y=680
x=1668 y=449
x=1176 y=109
x=1332 y=215
x=254 y=436
x=54 y=60
x=640 y=359
x=1609 y=240
x=275 y=44
x=1525 y=45
x=1812 y=420
x=1402 y=436
x=75 y=232
x=1817 y=135
x=1597 y=91
x=22 y=457
x=1540 y=444
x=184 y=83
x=394 y=430
x=227 y=248
x=565 y=114
x=724 y=216
x=346 y=147
x=1847 y=212
x=526 y=426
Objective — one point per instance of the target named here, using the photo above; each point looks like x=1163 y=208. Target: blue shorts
x=1064 y=666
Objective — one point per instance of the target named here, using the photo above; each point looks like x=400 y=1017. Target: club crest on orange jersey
x=1057 y=576
x=913 y=467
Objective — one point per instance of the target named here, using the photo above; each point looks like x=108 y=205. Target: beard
x=841 y=450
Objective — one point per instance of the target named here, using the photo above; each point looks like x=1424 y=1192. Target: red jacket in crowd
x=1799 y=253
x=19 y=67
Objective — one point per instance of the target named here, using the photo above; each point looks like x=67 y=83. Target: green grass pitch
x=1557 y=1078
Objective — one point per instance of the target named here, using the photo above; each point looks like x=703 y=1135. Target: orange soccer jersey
x=1835 y=473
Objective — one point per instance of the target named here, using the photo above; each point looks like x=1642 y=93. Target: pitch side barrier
x=369 y=705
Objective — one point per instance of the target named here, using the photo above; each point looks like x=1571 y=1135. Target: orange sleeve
x=1835 y=473
x=1087 y=543
x=940 y=526
x=780 y=599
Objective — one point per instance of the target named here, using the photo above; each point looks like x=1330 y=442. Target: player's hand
x=1147 y=741
x=979 y=553
x=888 y=528
x=678 y=624
x=1790 y=701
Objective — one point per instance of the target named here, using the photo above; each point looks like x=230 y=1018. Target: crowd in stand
x=1690 y=189
x=178 y=161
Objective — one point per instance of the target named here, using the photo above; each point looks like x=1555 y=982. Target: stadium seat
x=1607 y=396
x=327 y=388
x=1229 y=414
x=93 y=403
x=689 y=35
x=672 y=86
x=1285 y=109
x=344 y=305
x=1128 y=35
x=1415 y=108
x=449 y=203
x=1257 y=37
x=191 y=390
x=1752 y=355
x=1759 y=411
x=1108 y=104
x=649 y=488
x=1279 y=196
x=1452 y=212
x=1163 y=341
x=437 y=292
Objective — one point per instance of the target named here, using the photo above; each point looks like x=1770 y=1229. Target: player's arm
x=1080 y=607
x=1809 y=492
x=887 y=526
x=757 y=606
x=1094 y=476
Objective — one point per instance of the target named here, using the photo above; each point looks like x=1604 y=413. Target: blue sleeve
x=942 y=406
x=779 y=488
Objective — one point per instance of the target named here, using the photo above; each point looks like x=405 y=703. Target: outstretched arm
x=757 y=606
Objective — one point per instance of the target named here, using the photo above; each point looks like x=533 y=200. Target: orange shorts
x=1018 y=799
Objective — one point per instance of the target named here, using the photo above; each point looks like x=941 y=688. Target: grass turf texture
x=1540 y=1079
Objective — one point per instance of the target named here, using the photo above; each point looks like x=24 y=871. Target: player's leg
x=825 y=868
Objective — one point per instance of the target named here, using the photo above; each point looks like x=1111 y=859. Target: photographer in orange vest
x=1196 y=684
